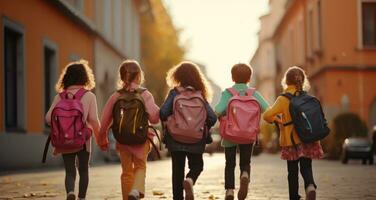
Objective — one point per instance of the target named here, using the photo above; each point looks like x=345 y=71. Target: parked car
x=357 y=148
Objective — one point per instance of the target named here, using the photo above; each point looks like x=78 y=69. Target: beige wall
x=106 y=71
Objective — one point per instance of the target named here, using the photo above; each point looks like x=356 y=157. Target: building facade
x=38 y=39
x=264 y=59
x=118 y=25
x=334 y=41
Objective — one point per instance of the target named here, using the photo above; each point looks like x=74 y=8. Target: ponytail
x=128 y=72
x=297 y=77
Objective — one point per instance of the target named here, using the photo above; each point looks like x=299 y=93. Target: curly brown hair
x=296 y=76
x=76 y=73
x=189 y=74
x=129 y=70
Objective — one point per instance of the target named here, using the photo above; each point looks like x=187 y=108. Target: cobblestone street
x=268 y=181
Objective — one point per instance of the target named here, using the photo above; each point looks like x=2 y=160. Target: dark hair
x=297 y=77
x=241 y=73
x=128 y=72
x=188 y=74
x=76 y=73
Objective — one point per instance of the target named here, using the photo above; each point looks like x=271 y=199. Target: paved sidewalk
x=268 y=181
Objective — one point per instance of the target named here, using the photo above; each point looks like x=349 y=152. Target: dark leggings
x=245 y=151
x=83 y=170
x=293 y=175
x=195 y=164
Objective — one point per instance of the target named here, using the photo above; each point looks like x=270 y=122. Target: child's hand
x=278 y=120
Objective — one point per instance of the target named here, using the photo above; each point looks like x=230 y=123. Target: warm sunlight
x=218 y=33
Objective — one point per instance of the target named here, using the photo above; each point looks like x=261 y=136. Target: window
x=117 y=14
x=107 y=23
x=369 y=24
x=50 y=72
x=14 y=72
x=310 y=33
x=318 y=27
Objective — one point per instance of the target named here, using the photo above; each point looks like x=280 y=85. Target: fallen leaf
x=158 y=193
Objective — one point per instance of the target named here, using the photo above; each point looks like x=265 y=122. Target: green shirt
x=221 y=107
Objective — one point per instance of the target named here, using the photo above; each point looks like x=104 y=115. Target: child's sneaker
x=243 y=190
x=311 y=192
x=134 y=195
x=188 y=188
x=229 y=194
x=71 y=196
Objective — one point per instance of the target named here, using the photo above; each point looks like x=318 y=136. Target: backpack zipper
x=309 y=124
x=134 y=122
x=121 y=119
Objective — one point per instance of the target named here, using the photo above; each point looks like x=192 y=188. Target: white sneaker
x=311 y=192
x=71 y=196
x=229 y=194
x=134 y=195
x=188 y=188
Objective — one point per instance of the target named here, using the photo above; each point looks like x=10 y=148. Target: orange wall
x=340 y=29
x=332 y=85
x=339 y=48
x=45 y=21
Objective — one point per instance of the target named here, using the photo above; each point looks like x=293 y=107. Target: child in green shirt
x=241 y=75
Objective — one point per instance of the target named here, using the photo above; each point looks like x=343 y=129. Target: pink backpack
x=68 y=129
x=242 y=121
x=187 y=122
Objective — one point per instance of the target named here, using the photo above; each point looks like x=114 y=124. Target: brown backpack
x=130 y=119
x=130 y=124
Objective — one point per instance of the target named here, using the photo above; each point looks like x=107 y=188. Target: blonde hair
x=186 y=74
x=128 y=72
x=76 y=73
x=296 y=76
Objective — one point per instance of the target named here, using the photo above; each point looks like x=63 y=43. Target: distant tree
x=160 y=47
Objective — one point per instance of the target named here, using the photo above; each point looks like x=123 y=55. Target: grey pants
x=83 y=170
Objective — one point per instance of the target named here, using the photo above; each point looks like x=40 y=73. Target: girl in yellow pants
x=132 y=157
x=133 y=171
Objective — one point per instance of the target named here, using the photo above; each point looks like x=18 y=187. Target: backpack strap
x=80 y=93
x=152 y=142
x=46 y=149
x=181 y=89
x=140 y=90
x=233 y=92
x=289 y=97
x=63 y=94
x=250 y=91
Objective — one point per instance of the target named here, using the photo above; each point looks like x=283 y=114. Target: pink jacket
x=106 y=121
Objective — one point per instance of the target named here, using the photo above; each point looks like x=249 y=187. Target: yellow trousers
x=133 y=172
